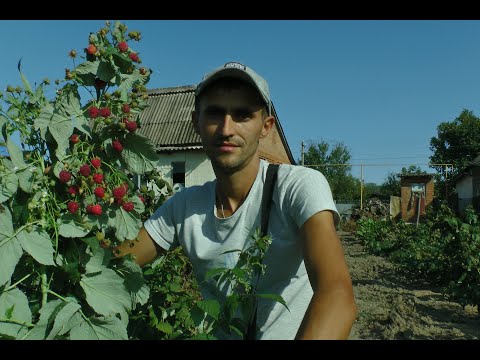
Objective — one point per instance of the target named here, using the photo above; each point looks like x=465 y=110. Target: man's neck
x=233 y=188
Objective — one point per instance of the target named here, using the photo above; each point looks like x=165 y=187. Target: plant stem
x=44 y=286
x=10 y=321
x=18 y=282
x=59 y=296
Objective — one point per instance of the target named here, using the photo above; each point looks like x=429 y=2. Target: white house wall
x=198 y=168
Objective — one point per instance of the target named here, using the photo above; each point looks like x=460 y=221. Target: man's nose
x=227 y=125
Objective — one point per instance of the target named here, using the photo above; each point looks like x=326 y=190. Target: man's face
x=230 y=122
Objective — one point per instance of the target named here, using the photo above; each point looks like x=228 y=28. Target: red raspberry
x=117 y=145
x=142 y=199
x=73 y=190
x=100 y=84
x=93 y=112
x=119 y=192
x=91 y=49
x=122 y=46
x=72 y=207
x=94 y=209
x=128 y=206
x=134 y=57
x=74 y=138
x=85 y=170
x=98 y=178
x=105 y=112
x=99 y=191
x=64 y=176
x=131 y=126
x=126 y=108
x=96 y=162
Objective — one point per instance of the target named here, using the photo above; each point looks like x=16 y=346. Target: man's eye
x=214 y=112
x=243 y=114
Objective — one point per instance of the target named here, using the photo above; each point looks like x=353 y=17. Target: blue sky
x=380 y=87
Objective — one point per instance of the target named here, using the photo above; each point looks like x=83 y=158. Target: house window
x=418 y=188
x=178 y=173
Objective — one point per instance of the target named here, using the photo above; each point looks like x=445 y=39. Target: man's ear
x=195 y=121
x=268 y=123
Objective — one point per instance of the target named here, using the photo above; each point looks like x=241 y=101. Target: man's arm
x=332 y=310
x=143 y=248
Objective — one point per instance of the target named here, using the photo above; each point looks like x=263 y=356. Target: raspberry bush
x=67 y=198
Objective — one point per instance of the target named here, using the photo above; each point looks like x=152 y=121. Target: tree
x=329 y=160
x=457 y=143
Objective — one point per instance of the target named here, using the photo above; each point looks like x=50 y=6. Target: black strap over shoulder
x=270 y=180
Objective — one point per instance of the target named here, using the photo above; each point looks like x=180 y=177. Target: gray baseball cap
x=239 y=71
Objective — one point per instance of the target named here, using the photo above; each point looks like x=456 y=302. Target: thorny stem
x=18 y=282
x=44 y=285
x=10 y=321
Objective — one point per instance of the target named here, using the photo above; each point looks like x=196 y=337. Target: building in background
x=416 y=195
x=467 y=184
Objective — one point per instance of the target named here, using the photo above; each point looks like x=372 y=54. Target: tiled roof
x=167 y=119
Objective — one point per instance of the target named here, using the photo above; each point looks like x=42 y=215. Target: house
x=467 y=184
x=416 y=195
x=167 y=123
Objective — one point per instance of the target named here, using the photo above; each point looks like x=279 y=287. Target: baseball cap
x=239 y=71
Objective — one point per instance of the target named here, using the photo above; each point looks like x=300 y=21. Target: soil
x=392 y=306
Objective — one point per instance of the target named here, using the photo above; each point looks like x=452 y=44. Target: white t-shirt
x=189 y=219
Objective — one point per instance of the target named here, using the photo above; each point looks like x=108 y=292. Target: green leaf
x=126 y=224
x=71 y=226
x=203 y=336
x=211 y=307
x=275 y=297
x=86 y=72
x=10 y=249
x=129 y=80
x=38 y=244
x=105 y=71
x=15 y=153
x=93 y=243
x=164 y=327
x=8 y=184
x=213 y=272
x=62 y=322
x=139 y=154
x=25 y=179
x=39 y=332
x=25 y=82
x=21 y=313
x=100 y=328
x=59 y=124
x=105 y=292
x=98 y=261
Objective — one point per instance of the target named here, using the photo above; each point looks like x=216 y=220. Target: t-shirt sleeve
x=308 y=192
x=161 y=225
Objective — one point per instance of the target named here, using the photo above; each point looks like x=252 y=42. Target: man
x=304 y=264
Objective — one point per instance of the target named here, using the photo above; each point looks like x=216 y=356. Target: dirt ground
x=392 y=307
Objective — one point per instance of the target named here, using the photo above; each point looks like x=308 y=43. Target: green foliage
x=59 y=279
x=344 y=186
x=445 y=250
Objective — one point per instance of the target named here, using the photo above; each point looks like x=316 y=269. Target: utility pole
x=303 y=153
x=361 y=186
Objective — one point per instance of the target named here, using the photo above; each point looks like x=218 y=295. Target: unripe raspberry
x=85 y=170
x=143 y=189
x=64 y=176
x=91 y=49
x=100 y=235
x=97 y=178
x=72 y=207
x=105 y=244
x=117 y=145
x=93 y=112
x=72 y=54
x=96 y=162
x=143 y=71
x=74 y=138
x=99 y=192
x=122 y=46
x=105 y=112
x=128 y=206
x=126 y=108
